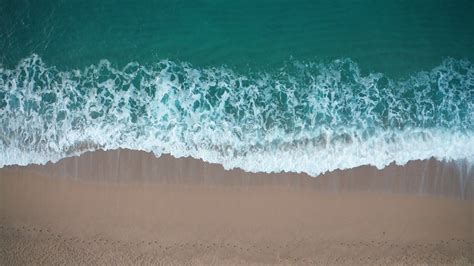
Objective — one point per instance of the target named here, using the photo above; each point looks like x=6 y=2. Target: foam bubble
x=318 y=117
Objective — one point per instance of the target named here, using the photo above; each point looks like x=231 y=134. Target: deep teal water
x=323 y=84
x=396 y=37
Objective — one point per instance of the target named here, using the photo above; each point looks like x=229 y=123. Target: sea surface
x=266 y=86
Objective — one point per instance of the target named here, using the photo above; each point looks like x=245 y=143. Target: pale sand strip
x=134 y=208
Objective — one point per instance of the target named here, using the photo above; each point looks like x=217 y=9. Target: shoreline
x=419 y=177
x=128 y=207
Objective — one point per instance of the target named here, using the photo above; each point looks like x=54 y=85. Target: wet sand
x=126 y=207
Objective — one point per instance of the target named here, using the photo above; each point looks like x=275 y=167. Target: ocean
x=265 y=86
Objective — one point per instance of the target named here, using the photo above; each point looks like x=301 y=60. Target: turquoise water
x=393 y=36
x=324 y=84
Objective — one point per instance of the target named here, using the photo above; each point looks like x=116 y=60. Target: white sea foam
x=305 y=117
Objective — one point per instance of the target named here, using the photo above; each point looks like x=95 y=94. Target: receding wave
x=304 y=117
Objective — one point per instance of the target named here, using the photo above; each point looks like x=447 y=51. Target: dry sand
x=125 y=207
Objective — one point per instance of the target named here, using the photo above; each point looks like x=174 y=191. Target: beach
x=129 y=207
x=247 y=132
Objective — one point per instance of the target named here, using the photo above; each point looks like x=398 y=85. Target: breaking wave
x=304 y=117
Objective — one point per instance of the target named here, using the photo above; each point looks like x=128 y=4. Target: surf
x=318 y=116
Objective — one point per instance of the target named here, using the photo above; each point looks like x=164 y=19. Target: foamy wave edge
x=304 y=117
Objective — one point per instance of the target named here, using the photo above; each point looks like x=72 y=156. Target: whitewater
x=309 y=117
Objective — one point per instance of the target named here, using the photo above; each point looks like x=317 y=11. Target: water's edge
x=420 y=177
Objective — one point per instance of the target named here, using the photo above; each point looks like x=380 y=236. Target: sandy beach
x=128 y=207
x=228 y=132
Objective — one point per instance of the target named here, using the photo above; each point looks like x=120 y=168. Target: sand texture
x=124 y=207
